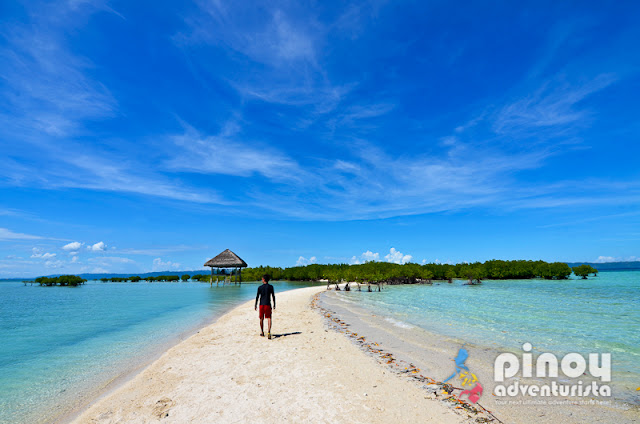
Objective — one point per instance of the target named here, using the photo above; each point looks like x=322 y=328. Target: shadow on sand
x=275 y=336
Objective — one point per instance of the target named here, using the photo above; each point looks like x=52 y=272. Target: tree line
x=162 y=278
x=136 y=278
x=374 y=272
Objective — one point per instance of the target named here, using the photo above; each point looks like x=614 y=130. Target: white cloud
x=370 y=256
x=396 y=257
x=367 y=256
x=98 y=247
x=74 y=260
x=72 y=247
x=159 y=265
x=6 y=234
x=37 y=253
x=302 y=261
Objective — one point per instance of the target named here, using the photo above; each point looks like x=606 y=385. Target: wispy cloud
x=13 y=212
x=286 y=52
x=276 y=41
x=99 y=170
x=107 y=260
x=6 y=234
x=276 y=57
x=581 y=221
x=46 y=85
x=377 y=184
x=222 y=154
x=160 y=251
x=359 y=116
x=50 y=95
x=606 y=259
x=555 y=104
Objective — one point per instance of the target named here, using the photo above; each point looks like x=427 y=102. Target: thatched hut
x=227 y=259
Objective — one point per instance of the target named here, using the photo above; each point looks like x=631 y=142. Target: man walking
x=265 y=293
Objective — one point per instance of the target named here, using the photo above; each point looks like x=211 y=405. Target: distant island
x=610 y=266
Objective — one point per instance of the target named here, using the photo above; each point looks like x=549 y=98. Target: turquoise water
x=598 y=315
x=62 y=344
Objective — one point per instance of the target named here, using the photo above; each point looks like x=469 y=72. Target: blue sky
x=140 y=136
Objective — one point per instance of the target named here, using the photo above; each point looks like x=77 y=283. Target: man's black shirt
x=265 y=292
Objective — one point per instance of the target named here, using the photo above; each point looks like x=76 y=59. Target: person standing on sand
x=265 y=293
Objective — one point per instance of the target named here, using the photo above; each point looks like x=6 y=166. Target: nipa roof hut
x=226 y=259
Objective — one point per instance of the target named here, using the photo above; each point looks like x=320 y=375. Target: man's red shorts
x=264 y=311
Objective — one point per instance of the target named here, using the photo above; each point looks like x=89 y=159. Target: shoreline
x=126 y=375
x=228 y=372
x=103 y=387
x=433 y=353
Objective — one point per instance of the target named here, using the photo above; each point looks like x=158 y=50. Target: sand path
x=227 y=373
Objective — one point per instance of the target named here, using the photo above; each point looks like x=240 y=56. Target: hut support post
x=211 y=278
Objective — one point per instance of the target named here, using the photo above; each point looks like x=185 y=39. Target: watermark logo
x=572 y=365
x=466 y=376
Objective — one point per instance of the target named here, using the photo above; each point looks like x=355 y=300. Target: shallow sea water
x=61 y=345
x=597 y=315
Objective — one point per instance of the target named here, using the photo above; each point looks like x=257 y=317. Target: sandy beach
x=306 y=373
x=315 y=369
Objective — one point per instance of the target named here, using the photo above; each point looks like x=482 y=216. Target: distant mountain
x=609 y=266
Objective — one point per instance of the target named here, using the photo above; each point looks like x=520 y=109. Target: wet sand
x=433 y=354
